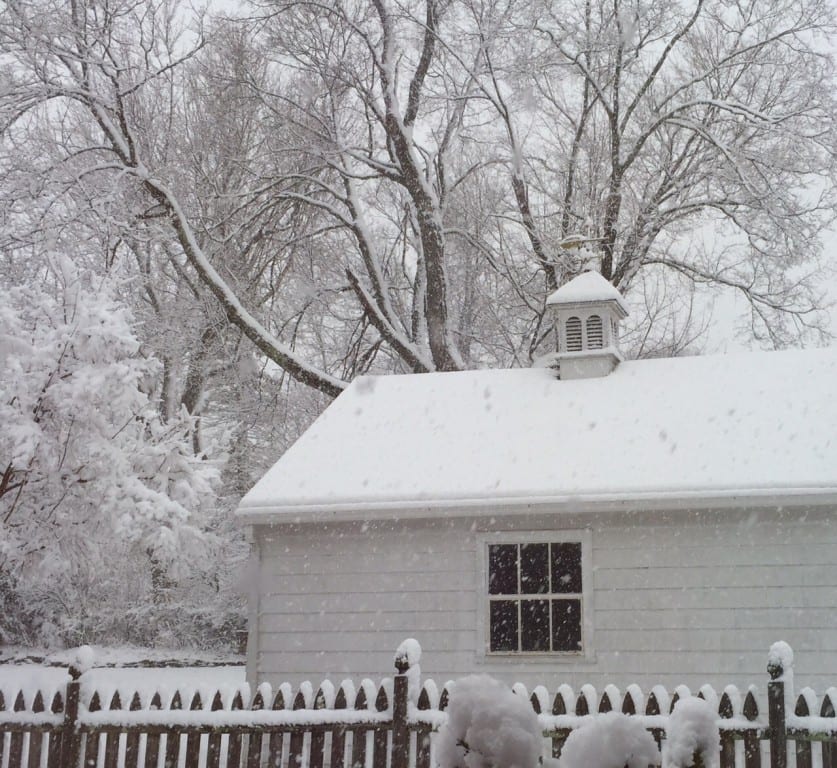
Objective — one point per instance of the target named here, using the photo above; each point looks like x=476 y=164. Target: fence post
x=70 y=736
x=400 y=698
x=776 y=663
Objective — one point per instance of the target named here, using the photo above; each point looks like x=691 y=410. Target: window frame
x=484 y=540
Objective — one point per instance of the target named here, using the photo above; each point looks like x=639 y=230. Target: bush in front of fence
x=611 y=740
x=488 y=726
x=692 y=735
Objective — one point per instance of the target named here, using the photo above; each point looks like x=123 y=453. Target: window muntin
x=535 y=597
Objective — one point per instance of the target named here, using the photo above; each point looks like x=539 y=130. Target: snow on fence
x=388 y=726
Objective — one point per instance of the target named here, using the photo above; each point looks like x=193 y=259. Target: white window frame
x=582 y=536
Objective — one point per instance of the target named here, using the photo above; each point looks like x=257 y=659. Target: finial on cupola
x=587 y=312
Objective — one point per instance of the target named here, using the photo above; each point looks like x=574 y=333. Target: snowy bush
x=692 y=731
x=488 y=727
x=611 y=740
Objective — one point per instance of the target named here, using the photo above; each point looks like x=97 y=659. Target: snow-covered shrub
x=488 y=727
x=610 y=740
x=692 y=730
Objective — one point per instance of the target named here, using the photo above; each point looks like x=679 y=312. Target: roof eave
x=577 y=504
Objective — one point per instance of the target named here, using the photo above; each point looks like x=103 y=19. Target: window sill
x=533 y=657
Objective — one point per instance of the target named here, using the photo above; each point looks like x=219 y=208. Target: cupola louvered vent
x=574 y=334
x=595 y=339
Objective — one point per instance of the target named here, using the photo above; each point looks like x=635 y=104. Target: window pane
x=566 y=567
x=503 y=625
x=502 y=569
x=566 y=625
x=534 y=569
x=534 y=615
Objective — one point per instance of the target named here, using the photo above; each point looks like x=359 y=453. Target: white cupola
x=587 y=312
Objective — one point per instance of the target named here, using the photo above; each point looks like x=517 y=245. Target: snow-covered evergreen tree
x=101 y=503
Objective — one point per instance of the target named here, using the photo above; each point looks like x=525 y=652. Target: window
x=535 y=597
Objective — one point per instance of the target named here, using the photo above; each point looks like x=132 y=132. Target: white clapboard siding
x=774 y=619
x=377 y=619
x=684 y=598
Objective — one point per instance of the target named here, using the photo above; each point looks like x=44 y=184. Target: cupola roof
x=588 y=287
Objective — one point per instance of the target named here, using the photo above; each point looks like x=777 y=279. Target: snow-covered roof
x=718 y=427
x=588 y=286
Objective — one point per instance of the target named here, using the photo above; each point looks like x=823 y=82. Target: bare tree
x=691 y=138
x=95 y=65
x=394 y=186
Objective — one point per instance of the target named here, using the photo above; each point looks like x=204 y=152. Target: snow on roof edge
x=603 y=502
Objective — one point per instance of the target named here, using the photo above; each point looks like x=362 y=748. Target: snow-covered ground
x=194 y=675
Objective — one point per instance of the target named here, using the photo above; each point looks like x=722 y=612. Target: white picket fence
x=389 y=725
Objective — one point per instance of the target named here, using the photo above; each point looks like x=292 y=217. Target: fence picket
x=379 y=740
x=54 y=744
x=359 y=738
x=193 y=740
x=92 y=738
x=276 y=740
x=652 y=707
x=255 y=738
x=152 y=740
x=726 y=712
x=36 y=739
x=297 y=739
x=803 y=746
x=235 y=738
x=173 y=737
x=16 y=741
x=829 y=749
x=318 y=736
x=213 y=748
x=338 y=735
x=113 y=737
x=559 y=707
x=752 y=745
x=423 y=735
x=132 y=740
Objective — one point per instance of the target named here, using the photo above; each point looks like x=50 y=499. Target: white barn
x=589 y=521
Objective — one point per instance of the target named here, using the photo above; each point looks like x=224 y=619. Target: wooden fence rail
x=389 y=726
